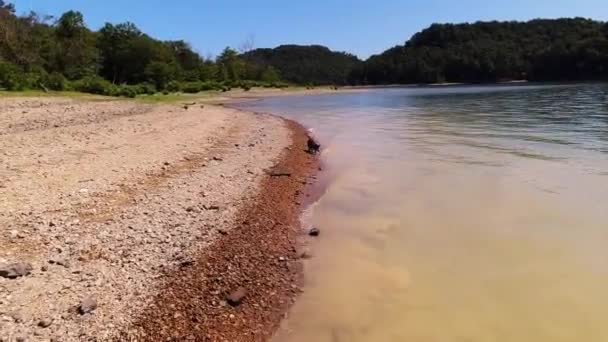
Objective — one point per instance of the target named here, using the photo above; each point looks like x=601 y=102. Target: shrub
x=126 y=91
x=191 y=87
x=211 y=85
x=173 y=87
x=11 y=77
x=54 y=81
x=146 y=88
x=95 y=85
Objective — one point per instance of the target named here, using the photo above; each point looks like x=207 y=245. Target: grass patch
x=176 y=97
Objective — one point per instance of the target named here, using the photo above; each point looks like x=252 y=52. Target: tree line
x=63 y=53
x=118 y=59
x=537 y=50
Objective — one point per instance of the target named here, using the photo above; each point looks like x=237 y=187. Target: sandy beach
x=122 y=220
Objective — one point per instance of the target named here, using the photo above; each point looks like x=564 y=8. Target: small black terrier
x=313 y=146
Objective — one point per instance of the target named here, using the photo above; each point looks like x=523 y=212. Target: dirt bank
x=152 y=213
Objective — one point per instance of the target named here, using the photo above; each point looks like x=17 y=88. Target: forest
x=537 y=50
x=49 y=53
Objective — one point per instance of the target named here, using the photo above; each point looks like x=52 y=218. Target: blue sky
x=362 y=27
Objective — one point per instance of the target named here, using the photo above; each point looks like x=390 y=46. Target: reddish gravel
x=259 y=256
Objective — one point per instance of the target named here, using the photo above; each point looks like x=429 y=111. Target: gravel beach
x=128 y=221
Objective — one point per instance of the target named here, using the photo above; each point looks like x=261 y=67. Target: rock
x=314 y=232
x=222 y=231
x=304 y=254
x=193 y=210
x=60 y=262
x=236 y=297
x=217 y=159
x=45 y=323
x=15 y=270
x=16 y=316
x=87 y=305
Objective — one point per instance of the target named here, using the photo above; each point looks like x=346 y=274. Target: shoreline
x=156 y=213
x=259 y=254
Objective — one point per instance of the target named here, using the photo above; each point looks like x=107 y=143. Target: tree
x=270 y=75
x=115 y=43
x=76 y=55
x=160 y=74
x=561 y=49
x=305 y=64
x=230 y=65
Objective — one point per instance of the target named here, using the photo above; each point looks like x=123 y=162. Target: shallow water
x=457 y=214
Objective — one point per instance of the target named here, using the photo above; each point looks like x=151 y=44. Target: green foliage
x=55 y=81
x=231 y=66
x=270 y=75
x=173 y=87
x=160 y=73
x=120 y=60
x=303 y=64
x=95 y=85
x=126 y=91
x=11 y=77
x=75 y=54
x=562 y=49
x=145 y=88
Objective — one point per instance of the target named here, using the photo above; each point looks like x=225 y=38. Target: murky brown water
x=473 y=214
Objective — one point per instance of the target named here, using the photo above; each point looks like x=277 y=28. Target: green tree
x=160 y=74
x=231 y=66
x=76 y=54
x=270 y=75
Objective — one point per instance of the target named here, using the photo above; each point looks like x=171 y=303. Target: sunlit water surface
x=472 y=214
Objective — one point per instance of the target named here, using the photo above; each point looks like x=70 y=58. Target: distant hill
x=300 y=64
x=560 y=49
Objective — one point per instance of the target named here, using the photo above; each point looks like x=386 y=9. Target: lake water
x=474 y=214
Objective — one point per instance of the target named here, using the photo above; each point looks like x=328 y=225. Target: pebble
x=236 y=297
x=45 y=323
x=87 y=305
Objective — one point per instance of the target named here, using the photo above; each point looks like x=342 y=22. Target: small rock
x=314 y=232
x=222 y=231
x=166 y=163
x=305 y=254
x=87 y=305
x=217 y=159
x=193 y=210
x=236 y=297
x=60 y=262
x=16 y=316
x=15 y=270
x=45 y=323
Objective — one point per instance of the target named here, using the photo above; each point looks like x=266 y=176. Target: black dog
x=313 y=146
